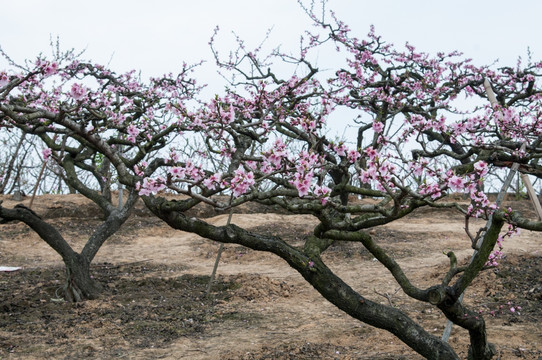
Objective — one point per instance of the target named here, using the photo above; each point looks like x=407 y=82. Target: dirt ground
x=155 y=278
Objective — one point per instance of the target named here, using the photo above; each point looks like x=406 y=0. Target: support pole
x=500 y=197
x=218 y=255
x=40 y=176
x=37 y=184
x=532 y=195
x=524 y=177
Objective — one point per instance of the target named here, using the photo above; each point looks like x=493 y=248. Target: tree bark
x=479 y=348
x=79 y=284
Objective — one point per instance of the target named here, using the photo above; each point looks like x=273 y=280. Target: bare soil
x=154 y=305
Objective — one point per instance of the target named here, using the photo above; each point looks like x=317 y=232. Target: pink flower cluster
x=151 y=186
x=139 y=170
x=46 y=153
x=189 y=171
x=78 y=91
x=498 y=253
x=133 y=132
x=302 y=182
x=323 y=193
x=432 y=189
x=378 y=126
x=342 y=150
x=241 y=182
x=275 y=156
x=304 y=171
x=48 y=68
x=4 y=79
x=379 y=172
x=213 y=181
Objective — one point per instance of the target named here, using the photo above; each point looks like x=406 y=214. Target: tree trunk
x=79 y=283
x=480 y=348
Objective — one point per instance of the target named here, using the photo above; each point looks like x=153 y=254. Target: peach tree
x=55 y=101
x=413 y=136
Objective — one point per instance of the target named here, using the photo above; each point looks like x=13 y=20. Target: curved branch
x=333 y=288
x=47 y=232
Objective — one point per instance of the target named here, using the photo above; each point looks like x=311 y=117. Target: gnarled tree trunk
x=80 y=285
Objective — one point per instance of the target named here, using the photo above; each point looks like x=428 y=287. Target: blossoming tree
x=54 y=103
x=266 y=139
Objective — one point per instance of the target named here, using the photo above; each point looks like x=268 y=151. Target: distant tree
x=15 y=162
x=266 y=139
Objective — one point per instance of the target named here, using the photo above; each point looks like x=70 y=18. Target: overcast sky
x=156 y=36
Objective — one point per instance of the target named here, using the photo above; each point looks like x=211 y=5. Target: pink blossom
x=78 y=91
x=241 y=181
x=306 y=161
x=371 y=152
x=138 y=171
x=4 y=79
x=266 y=168
x=432 y=190
x=378 y=126
x=481 y=167
x=368 y=174
x=232 y=113
x=173 y=156
x=212 y=181
x=341 y=149
x=353 y=156
x=151 y=186
x=133 y=131
x=252 y=164
x=177 y=172
x=50 y=69
x=302 y=182
x=323 y=192
x=292 y=82
x=456 y=183
x=276 y=155
x=417 y=168
x=46 y=153
x=309 y=125
x=195 y=173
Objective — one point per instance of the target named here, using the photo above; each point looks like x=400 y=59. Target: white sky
x=156 y=36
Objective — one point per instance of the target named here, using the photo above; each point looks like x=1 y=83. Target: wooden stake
x=532 y=195
x=37 y=184
x=39 y=178
x=513 y=170
x=218 y=255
